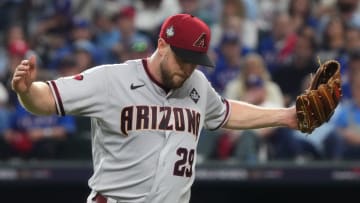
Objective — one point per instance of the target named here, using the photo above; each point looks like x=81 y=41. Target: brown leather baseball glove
x=317 y=104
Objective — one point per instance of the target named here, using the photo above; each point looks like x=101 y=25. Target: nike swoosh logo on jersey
x=132 y=86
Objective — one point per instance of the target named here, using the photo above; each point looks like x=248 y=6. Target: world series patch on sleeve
x=317 y=104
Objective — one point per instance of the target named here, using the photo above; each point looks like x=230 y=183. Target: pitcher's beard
x=170 y=81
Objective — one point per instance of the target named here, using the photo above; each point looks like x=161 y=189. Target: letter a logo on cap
x=200 y=42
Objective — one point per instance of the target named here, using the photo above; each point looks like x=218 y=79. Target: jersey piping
x=58 y=102
x=226 y=115
x=146 y=67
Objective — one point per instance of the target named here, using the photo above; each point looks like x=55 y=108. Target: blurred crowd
x=265 y=52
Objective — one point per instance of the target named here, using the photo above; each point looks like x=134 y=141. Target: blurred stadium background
x=264 y=53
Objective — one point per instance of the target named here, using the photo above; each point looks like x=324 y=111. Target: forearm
x=38 y=99
x=248 y=116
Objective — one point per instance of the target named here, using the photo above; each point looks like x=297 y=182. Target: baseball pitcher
x=147 y=114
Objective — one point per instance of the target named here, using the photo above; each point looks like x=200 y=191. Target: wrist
x=291 y=118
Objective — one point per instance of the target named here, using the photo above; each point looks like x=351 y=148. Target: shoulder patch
x=194 y=95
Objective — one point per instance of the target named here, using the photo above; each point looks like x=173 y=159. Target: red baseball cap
x=127 y=12
x=18 y=48
x=188 y=37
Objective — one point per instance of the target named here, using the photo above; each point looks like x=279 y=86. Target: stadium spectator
x=197 y=8
x=352 y=39
x=139 y=49
x=4 y=111
x=352 y=64
x=4 y=122
x=348 y=12
x=350 y=57
x=256 y=78
x=17 y=47
x=30 y=136
x=234 y=19
x=277 y=46
x=151 y=13
x=105 y=33
x=301 y=62
x=228 y=61
x=268 y=10
x=332 y=42
x=127 y=33
x=347 y=120
x=300 y=12
x=85 y=54
x=254 y=85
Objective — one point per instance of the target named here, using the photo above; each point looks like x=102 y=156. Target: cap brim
x=193 y=57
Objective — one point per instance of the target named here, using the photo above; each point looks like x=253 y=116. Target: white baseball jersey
x=143 y=138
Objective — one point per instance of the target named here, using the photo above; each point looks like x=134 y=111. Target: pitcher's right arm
x=34 y=96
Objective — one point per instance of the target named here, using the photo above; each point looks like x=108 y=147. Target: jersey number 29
x=183 y=167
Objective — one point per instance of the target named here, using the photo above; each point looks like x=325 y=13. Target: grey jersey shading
x=143 y=138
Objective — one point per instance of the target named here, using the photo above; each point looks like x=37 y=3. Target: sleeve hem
x=58 y=102
x=226 y=118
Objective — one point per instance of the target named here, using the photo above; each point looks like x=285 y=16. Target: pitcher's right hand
x=24 y=75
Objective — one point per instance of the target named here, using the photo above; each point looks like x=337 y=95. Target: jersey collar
x=152 y=78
